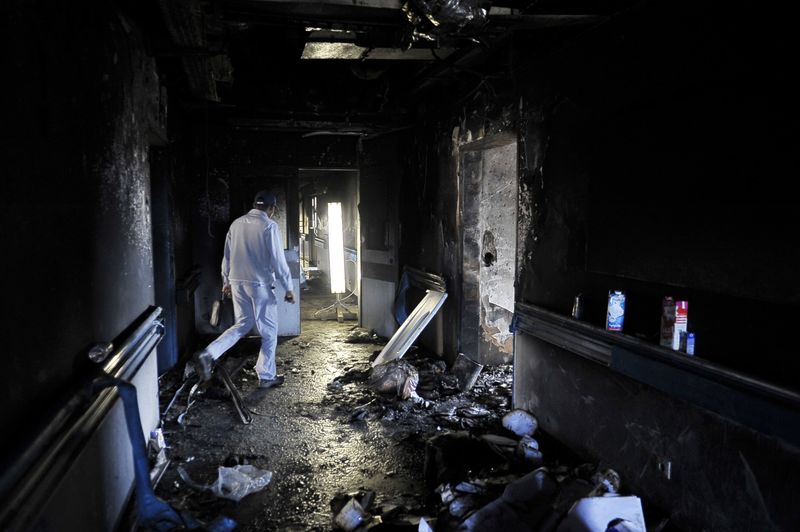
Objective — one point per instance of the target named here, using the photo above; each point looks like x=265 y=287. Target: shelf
x=759 y=404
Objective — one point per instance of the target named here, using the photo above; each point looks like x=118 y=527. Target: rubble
x=426 y=525
x=623 y=514
x=527 y=450
x=520 y=423
x=480 y=465
x=351 y=516
x=398 y=377
x=466 y=371
x=450 y=456
x=490 y=481
x=358 y=511
x=359 y=335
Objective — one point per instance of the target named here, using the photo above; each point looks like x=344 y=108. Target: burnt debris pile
x=486 y=466
x=412 y=444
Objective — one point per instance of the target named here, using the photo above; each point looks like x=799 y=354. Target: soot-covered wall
x=652 y=156
x=653 y=151
x=432 y=214
x=84 y=108
x=655 y=154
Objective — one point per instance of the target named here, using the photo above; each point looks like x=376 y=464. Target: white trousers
x=253 y=304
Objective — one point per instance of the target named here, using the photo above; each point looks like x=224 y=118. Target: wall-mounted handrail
x=597 y=344
x=23 y=487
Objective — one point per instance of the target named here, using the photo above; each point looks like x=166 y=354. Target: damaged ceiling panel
x=187 y=30
x=343 y=50
x=341 y=61
x=435 y=19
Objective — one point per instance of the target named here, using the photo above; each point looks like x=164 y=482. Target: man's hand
x=226 y=291
x=289 y=297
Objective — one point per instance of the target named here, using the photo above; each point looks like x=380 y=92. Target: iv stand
x=339 y=306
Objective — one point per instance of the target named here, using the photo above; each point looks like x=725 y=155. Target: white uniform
x=253 y=261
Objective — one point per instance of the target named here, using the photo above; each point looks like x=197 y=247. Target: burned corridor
x=575 y=216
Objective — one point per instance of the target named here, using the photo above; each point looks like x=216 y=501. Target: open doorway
x=488 y=179
x=329 y=220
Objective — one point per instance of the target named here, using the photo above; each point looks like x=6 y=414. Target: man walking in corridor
x=252 y=263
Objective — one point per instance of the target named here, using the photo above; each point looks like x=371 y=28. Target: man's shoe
x=203 y=364
x=271 y=383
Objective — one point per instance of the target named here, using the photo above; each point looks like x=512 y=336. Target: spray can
x=615 y=316
x=682 y=343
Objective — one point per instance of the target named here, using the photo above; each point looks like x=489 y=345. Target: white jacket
x=254 y=252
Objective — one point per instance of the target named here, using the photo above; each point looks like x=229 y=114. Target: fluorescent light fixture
x=351 y=51
x=336 y=247
x=332 y=50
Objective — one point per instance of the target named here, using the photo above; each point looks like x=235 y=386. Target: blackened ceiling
x=241 y=60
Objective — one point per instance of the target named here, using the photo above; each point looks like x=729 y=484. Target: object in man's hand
x=215 y=310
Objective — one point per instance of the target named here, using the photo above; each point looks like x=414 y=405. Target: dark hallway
x=576 y=215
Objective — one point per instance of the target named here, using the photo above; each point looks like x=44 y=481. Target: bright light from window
x=336 y=247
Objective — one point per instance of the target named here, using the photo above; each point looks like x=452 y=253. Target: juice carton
x=674 y=321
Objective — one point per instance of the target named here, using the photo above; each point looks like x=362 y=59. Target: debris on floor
x=398 y=446
x=397 y=377
x=623 y=514
x=483 y=461
x=351 y=516
x=359 y=335
x=520 y=423
x=466 y=371
x=528 y=451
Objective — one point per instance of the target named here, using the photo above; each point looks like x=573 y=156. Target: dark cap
x=265 y=198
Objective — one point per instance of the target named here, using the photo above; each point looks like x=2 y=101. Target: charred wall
x=652 y=151
x=651 y=160
x=653 y=163
x=431 y=212
x=723 y=475
x=84 y=107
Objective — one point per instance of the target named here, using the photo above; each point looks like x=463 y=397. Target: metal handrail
x=596 y=344
x=50 y=453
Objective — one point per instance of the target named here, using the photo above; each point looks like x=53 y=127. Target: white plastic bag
x=234 y=483
x=237 y=482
